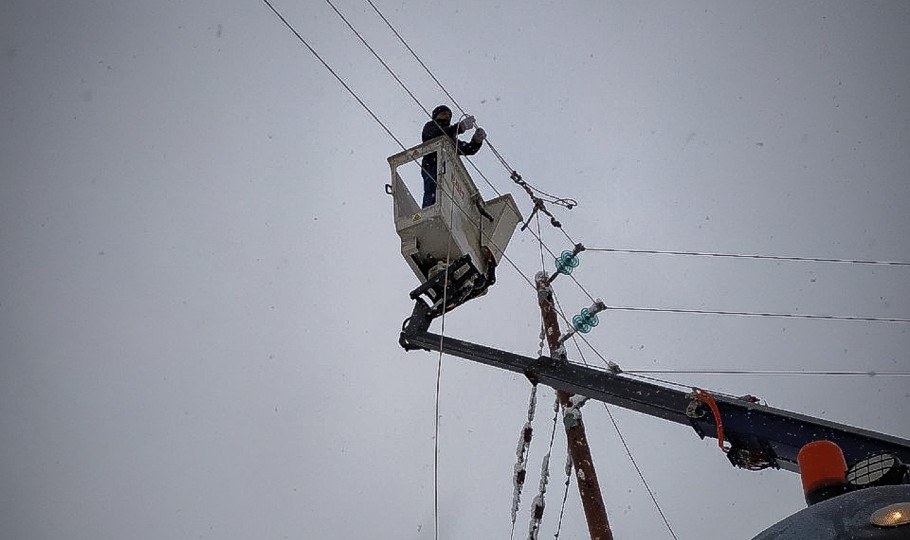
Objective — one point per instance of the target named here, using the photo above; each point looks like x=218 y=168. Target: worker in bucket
x=441 y=124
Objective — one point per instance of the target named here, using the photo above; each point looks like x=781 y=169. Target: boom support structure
x=758 y=436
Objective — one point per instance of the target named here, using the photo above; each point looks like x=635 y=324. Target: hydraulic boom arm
x=759 y=436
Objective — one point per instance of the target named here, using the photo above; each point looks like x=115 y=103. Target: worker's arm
x=431 y=130
x=471 y=148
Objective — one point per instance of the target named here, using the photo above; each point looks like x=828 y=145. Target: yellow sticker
x=416 y=217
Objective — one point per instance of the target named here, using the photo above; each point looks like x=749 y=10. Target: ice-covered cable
x=521 y=452
x=539 y=503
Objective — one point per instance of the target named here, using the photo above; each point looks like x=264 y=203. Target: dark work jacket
x=431 y=130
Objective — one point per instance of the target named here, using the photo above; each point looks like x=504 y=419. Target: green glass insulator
x=567 y=262
x=585 y=321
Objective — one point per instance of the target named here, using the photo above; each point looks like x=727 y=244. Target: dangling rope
x=442 y=333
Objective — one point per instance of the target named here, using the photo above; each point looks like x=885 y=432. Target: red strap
x=706 y=398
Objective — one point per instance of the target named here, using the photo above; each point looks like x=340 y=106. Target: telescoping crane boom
x=758 y=436
x=871 y=500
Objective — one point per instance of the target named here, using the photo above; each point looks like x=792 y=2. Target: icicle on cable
x=543 y=336
x=539 y=503
x=521 y=452
x=537 y=507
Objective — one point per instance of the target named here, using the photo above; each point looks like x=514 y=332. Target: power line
x=759 y=314
x=616 y=427
x=653 y=310
x=408 y=47
x=405 y=87
x=640 y=474
x=591 y=297
x=432 y=75
x=606 y=362
x=372 y=114
x=626 y=446
x=332 y=71
x=553 y=199
x=855 y=318
x=748 y=256
x=380 y=122
x=362 y=103
x=410 y=93
x=379 y=58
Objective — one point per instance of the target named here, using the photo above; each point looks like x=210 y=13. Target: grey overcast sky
x=201 y=288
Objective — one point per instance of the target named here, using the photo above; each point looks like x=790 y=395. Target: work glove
x=467 y=122
x=479 y=136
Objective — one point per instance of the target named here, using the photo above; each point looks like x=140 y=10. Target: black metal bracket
x=434 y=284
x=754 y=456
x=418 y=322
x=459 y=282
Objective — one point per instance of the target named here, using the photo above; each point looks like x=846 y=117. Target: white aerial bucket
x=459 y=224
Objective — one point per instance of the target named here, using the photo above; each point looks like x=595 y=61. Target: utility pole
x=588 y=487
